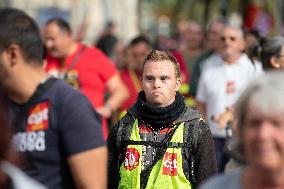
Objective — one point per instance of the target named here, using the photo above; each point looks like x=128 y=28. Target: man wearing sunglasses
x=221 y=84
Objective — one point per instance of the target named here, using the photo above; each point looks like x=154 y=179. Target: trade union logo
x=33 y=139
x=72 y=78
x=170 y=164
x=38 y=117
x=131 y=159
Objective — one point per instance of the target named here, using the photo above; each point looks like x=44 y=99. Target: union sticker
x=38 y=117
x=131 y=159
x=170 y=164
x=72 y=78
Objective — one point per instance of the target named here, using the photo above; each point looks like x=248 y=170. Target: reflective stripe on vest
x=167 y=173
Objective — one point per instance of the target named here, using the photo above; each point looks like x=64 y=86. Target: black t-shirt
x=59 y=123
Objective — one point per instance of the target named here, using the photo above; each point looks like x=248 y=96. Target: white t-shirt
x=212 y=61
x=220 y=86
x=230 y=180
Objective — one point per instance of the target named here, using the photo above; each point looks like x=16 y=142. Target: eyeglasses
x=231 y=38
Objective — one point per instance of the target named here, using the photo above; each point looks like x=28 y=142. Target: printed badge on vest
x=170 y=164
x=131 y=159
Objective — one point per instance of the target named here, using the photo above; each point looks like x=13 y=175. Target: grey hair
x=240 y=31
x=210 y=25
x=271 y=47
x=264 y=94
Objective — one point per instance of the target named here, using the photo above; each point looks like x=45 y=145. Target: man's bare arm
x=89 y=168
x=118 y=94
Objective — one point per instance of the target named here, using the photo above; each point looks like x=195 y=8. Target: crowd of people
x=173 y=113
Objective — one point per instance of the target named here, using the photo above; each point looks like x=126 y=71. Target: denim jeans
x=221 y=157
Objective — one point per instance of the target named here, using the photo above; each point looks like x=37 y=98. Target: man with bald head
x=220 y=86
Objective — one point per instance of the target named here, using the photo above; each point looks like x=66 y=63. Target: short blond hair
x=156 y=55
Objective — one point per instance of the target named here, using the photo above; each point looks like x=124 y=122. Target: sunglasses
x=231 y=38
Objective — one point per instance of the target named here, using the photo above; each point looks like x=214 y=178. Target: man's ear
x=13 y=54
x=178 y=83
x=242 y=44
x=274 y=62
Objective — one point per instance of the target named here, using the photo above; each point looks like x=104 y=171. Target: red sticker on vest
x=131 y=159
x=38 y=117
x=143 y=129
x=170 y=164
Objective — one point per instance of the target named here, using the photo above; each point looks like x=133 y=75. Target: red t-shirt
x=90 y=74
x=183 y=69
x=92 y=70
x=132 y=81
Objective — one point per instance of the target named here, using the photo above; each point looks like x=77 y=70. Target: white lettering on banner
x=39 y=117
x=29 y=141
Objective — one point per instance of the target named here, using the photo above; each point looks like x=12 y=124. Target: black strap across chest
x=157 y=144
x=188 y=146
x=75 y=59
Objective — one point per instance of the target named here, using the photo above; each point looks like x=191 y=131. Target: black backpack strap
x=123 y=134
x=159 y=154
x=191 y=135
x=76 y=58
x=157 y=144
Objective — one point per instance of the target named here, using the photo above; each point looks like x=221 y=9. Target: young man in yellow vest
x=160 y=143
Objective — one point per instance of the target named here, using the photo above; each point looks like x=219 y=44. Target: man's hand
x=104 y=111
x=224 y=118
